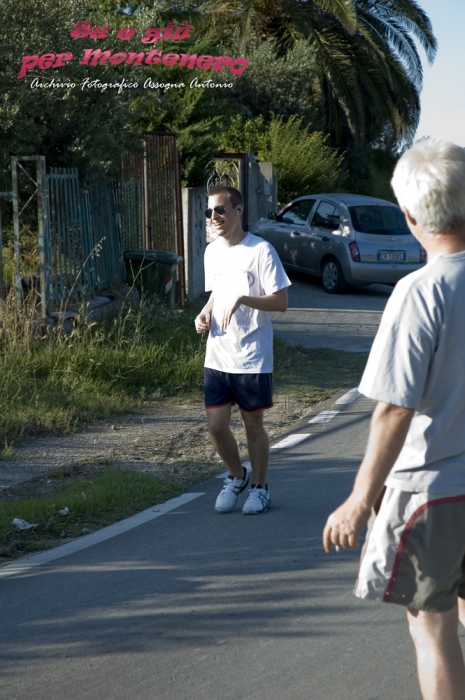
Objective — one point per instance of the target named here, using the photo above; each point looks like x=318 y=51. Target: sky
x=443 y=95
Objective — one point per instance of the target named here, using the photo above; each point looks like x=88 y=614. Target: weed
x=96 y=371
x=7 y=452
x=105 y=461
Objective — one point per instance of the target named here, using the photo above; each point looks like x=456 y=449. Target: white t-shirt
x=253 y=268
x=418 y=361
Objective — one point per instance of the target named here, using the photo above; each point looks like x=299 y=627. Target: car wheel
x=332 y=277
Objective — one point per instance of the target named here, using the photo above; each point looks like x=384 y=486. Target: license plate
x=392 y=256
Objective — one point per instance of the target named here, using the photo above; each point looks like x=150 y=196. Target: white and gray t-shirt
x=418 y=361
x=253 y=268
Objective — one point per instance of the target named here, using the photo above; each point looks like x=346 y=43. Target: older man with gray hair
x=412 y=478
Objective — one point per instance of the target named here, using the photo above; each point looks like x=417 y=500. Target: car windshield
x=378 y=219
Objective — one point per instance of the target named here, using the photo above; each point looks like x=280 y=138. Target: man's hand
x=202 y=322
x=389 y=428
x=345 y=524
x=277 y=301
x=229 y=311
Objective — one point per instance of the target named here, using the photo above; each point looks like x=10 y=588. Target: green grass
x=98 y=371
x=313 y=375
x=92 y=503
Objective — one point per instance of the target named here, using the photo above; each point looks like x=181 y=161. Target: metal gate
x=149 y=198
x=231 y=169
x=72 y=244
x=85 y=245
x=71 y=248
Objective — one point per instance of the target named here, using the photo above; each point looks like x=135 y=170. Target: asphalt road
x=197 y=605
x=182 y=603
x=351 y=324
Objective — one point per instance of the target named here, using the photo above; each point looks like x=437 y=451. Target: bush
x=303 y=160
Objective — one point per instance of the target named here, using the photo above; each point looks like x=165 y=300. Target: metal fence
x=80 y=235
x=85 y=242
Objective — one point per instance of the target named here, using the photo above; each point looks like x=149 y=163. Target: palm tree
x=369 y=66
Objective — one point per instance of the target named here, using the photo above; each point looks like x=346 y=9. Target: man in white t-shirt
x=414 y=553
x=247 y=281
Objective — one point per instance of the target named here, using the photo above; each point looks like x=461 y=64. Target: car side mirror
x=272 y=215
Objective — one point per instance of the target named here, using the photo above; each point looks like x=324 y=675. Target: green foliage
x=368 y=65
x=89 y=128
x=304 y=162
x=283 y=85
x=346 y=68
x=69 y=126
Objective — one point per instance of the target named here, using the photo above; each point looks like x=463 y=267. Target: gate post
x=44 y=238
x=262 y=191
x=42 y=226
x=2 y=289
x=195 y=240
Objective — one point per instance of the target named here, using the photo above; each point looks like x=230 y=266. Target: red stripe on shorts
x=405 y=534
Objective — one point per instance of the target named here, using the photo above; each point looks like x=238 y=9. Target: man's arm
x=202 y=321
x=268 y=302
x=388 y=430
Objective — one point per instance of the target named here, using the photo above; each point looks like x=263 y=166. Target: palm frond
x=345 y=11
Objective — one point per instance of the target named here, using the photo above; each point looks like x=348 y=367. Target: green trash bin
x=153 y=272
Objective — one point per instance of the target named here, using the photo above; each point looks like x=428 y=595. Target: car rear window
x=378 y=219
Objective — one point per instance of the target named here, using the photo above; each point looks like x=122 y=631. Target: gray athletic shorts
x=414 y=553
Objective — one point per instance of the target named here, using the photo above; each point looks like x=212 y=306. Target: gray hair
x=429 y=181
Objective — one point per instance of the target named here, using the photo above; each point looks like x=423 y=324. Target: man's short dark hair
x=235 y=197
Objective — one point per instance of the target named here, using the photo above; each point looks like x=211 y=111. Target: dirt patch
x=168 y=439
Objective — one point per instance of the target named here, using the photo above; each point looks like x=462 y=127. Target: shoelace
x=232 y=483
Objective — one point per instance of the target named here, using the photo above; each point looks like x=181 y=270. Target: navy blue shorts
x=251 y=392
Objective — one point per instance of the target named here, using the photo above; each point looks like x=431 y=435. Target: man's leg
x=257 y=443
x=441 y=668
x=223 y=440
x=461 y=604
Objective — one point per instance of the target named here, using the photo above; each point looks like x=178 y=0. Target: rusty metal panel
x=149 y=198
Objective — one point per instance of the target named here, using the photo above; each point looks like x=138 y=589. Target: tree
x=369 y=68
x=70 y=126
x=304 y=162
x=285 y=85
x=90 y=128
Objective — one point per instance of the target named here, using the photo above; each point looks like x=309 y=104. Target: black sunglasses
x=219 y=210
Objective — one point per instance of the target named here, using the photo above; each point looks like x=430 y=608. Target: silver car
x=344 y=239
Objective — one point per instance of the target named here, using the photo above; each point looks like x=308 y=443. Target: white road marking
x=291 y=440
x=105 y=533
x=348 y=397
x=324 y=417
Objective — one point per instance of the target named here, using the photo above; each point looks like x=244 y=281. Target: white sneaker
x=258 y=501
x=233 y=486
